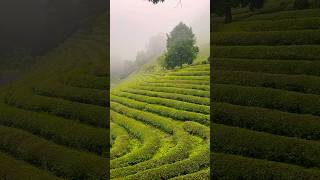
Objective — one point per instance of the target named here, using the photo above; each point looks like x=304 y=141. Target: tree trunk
x=228 y=15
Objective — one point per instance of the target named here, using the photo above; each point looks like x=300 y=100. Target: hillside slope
x=266 y=84
x=53 y=122
x=160 y=125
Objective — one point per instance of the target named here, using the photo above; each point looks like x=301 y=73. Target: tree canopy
x=181 y=48
x=224 y=7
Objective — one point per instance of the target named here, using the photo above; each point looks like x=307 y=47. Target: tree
x=224 y=7
x=155 y=1
x=181 y=48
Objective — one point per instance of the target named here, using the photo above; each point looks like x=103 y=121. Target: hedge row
x=61 y=161
x=61 y=131
x=266 y=120
x=163 y=110
x=90 y=114
x=178 y=85
x=200 y=175
x=260 y=145
x=180 y=105
x=194 y=82
x=266 y=38
x=189 y=73
x=200 y=78
x=299 y=83
x=165 y=124
x=272 y=25
x=236 y=167
x=179 y=152
x=179 y=97
x=268 y=66
x=121 y=143
x=151 y=141
x=192 y=92
x=82 y=95
x=86 y=81
x=268 y=98
x=195 y=163
x=308 y=13
x=197 y=129
x=11 y=168
x=294 y=52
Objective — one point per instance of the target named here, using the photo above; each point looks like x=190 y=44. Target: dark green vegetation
x=160 y=125
x=53 y=121
x=266 y=95
x=181 y=48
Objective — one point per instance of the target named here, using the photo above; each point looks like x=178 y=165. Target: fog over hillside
x=133 y=22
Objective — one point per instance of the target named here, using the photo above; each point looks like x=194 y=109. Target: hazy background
x=133 y=22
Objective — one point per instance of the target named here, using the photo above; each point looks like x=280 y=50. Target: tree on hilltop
x=181 y=48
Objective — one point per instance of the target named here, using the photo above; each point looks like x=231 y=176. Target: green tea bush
x=151 y=141
x=160 y=122
x=236 y=167
x=200 y=78
x=195 y=163
x=90 y=114
x=294 y=52
x=200 y=175
x=180 y=105
x=268 y=66
x=293 y=14
x=163 y=110
x=63 y=162
x=299 y=83
x=11 y=168
x=195 y=82
x=121 y=143
x=189 y=73
x=265 y=146
x=82 y=95
x=197 y=129
x=268 y=98
x=266 y=38
x=266 y=120
x=191 y=92
x=85 y=81
x=61 y=131
x=180 y=97
x=179 y=152
x=272 y=25
x=185 y=86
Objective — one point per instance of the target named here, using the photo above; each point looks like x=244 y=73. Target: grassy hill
x=266 y=100
x=160 y=125
x=53 y=121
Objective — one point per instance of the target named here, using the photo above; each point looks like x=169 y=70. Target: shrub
x=121 y=143
x=267 y=120
x=237 y=167
x=265 y=146
x=268 y=98
x=299 y=83
x=62 y=161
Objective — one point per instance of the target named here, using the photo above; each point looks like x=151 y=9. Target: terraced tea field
x=160 y=125
x=266 y=96
x=53 y=122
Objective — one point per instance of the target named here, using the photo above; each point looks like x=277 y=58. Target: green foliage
x=60 y=160
x=267 y=120
x=181 y=47
x=236 y=167
x=265 y=146
x=266 y=38
x=301 y=4
x=293 y=52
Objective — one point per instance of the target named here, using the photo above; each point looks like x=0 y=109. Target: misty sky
x=133 y=22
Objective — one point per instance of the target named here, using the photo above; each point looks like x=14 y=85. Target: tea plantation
x=266 y=95
x=53 y=121
x=160 y=125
